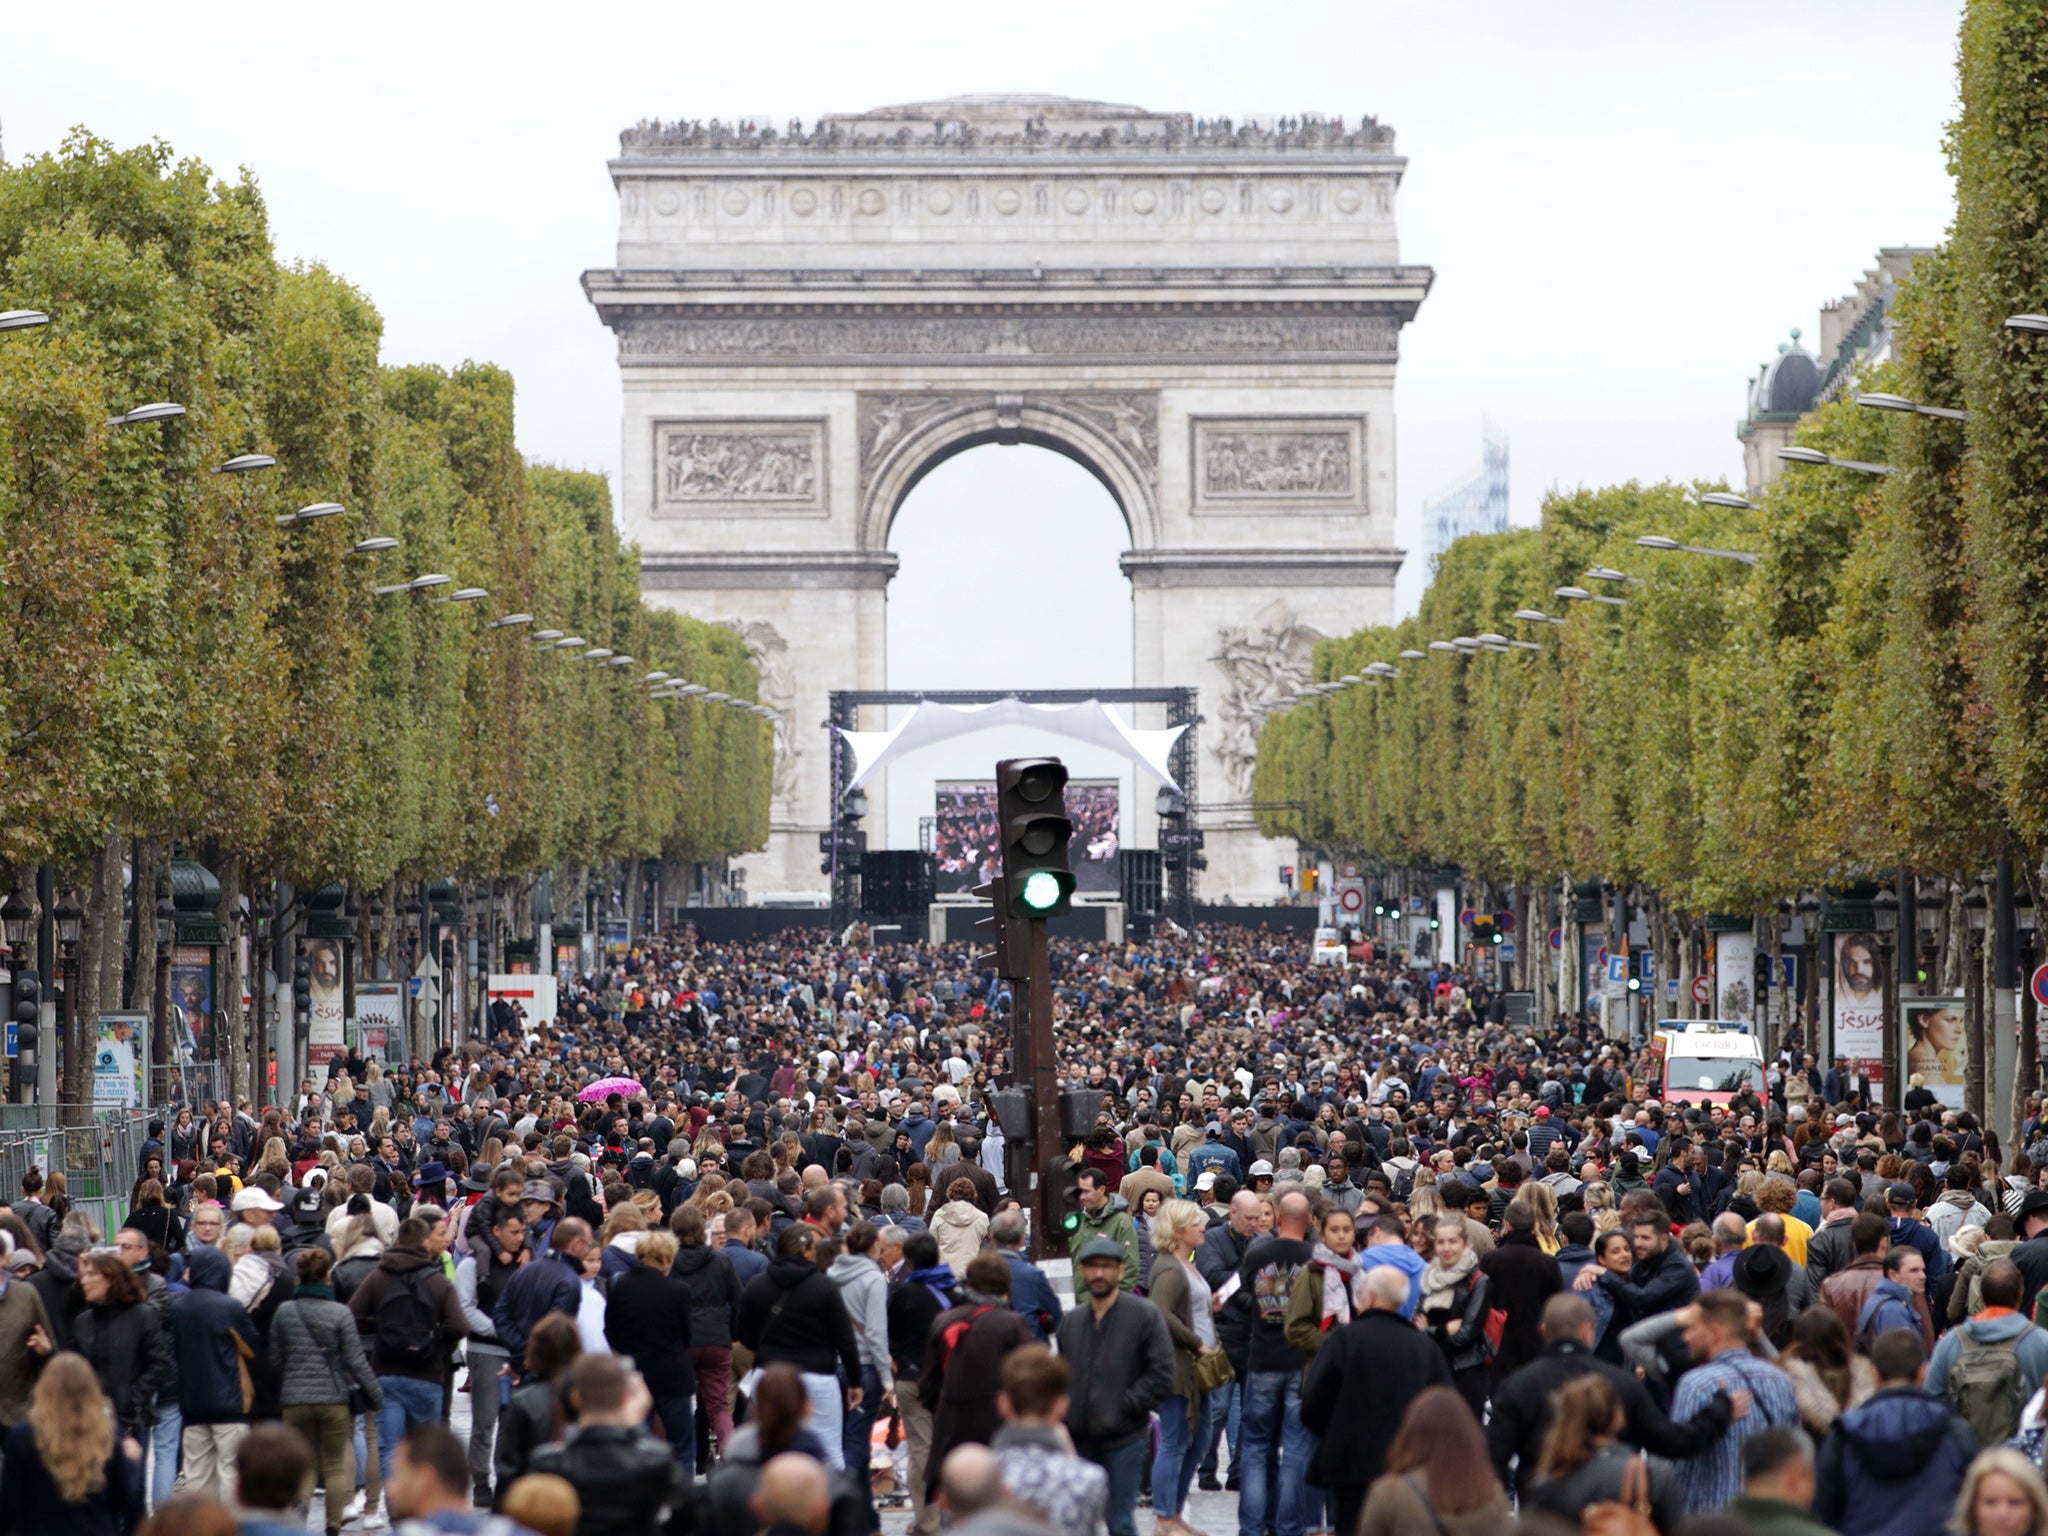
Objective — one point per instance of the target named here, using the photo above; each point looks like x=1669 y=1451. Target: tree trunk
x=142 y=996
x=113 y=950
x=228 y=1001
x=88 y=960
x=1973 y=1017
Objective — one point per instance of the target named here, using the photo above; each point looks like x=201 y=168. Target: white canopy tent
x=1090 y=722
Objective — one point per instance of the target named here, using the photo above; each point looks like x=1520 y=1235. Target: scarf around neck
x=1343 y=1286
x=1438 y=1281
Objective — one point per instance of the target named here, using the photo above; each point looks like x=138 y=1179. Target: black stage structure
x=1180 y=841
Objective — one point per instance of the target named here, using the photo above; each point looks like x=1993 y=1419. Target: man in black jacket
x=1522 y=1403
x=792 y=1312
x=625 y=1480
x=1359 y=1386
x=1123 y=1366
x=1218 y=1258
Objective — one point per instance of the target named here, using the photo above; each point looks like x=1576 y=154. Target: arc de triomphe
x=1204 y=315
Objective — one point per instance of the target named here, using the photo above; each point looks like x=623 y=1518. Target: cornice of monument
x=1010 y=128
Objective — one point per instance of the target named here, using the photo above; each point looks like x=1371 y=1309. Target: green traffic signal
x=1042 y=891
x=1635 y=983
x=1435 y=923
x=1071 y=1221
x=1497 y=936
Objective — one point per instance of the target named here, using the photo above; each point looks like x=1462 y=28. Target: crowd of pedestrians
x=735 y=1244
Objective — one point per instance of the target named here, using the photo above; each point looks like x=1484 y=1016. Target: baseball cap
x=1901 y=1197
x=1100 y=1248
x=252 y=1198
x=1262 y=1167
x=1206 y=1181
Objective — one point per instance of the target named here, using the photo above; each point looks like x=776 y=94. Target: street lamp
x=1536 y=616
x=571 y=642
x=2035 y=323
x=310 y=514
x=595 y=653
x=1609 y=573
x=656 y=677
x=242 y=463
x=1796 y=455
x=545 y=636
x=160 y=410
x=70 y=919
x=1727 y=499
x=16 y=918
x=620 y=661
x=465 y=595
x=510 y=621
x=1581 y=595
x=1658 y=541
x=22 y=319
x=1441 y=645
x=371 y=546
x=1884 y=402
x=1414 y=655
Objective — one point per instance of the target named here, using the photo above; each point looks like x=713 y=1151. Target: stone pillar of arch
x=1205 y=316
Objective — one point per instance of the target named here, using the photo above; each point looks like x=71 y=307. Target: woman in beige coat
x=960 y=1226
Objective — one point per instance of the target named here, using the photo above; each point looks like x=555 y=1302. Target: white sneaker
x=353 y=1509
x=377 y=1519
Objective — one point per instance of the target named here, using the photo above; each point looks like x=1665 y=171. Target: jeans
x=1126 y=1468
x=1226 y=1423
x=163 y=1445
x=714 y=1389
x=678 y=1417
x=854 y=1441
x=407 y=1401
x=328 y=1431
x=1272 y=1416
x=1183 y=1426
x=486 y=1397
x=828 y=1416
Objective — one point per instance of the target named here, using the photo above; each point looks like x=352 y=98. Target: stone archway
x=1204 y=315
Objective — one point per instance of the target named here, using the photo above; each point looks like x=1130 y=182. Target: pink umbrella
x=605 y=1087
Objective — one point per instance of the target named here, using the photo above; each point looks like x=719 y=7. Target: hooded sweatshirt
x=203 y=1322
x=961 y=1227
x=792 y=1311
x=865 y=1290
x=2031 y=1352
x=1892 y=1467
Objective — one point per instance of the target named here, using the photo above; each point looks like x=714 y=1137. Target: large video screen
x=966 y=846
x=964 y=836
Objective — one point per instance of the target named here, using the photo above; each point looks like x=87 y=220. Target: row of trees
x=1872 y=695
x=178 y=672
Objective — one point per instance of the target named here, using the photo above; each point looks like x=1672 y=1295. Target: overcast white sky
x=1627 y=205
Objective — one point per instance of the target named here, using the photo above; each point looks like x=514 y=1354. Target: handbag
x=1628 y=1515
x=1213 y=1370
x=244 y=1353
x=1496 y=1324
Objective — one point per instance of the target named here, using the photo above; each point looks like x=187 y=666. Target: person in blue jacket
x=1892 y=1466
x=1031 y=1293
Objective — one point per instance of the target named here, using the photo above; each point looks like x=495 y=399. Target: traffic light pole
x=1038 y=1072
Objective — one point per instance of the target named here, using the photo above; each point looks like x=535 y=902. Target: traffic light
x=1435 y=923
x=1635 y=970
x=1308 y=879
x=1031 y=809
x=1010 y=941
x=1484 y=933
x=1760 y=971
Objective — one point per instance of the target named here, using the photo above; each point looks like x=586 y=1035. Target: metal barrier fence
x=192 y=1086
x=98 y=1158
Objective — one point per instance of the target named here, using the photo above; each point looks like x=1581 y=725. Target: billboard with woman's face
x=1937 y=1046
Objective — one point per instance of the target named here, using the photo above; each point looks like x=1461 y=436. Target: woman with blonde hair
x=1541 y=1201
x=1185 y=1300
x=1598 y=1199
x=62 y=1469
x=276 y=1160
x=2002 y=1495
x=624 y=1229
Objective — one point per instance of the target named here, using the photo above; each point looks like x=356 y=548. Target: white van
x=1705 y=1061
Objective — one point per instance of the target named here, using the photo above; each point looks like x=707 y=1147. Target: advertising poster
x=531 y=1000
x=566 y=956
x=1859 y=1004
x=1735 y=977
x=380 y=1020
x=1592 y=968
x=1936 y=1048
x=964 y=847
x=618 y=938
x=118 y=1061
x=192 y=1004
x=325 y=1037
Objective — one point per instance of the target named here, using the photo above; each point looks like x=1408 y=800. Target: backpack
x=1984 y=1385
x=408 y=1322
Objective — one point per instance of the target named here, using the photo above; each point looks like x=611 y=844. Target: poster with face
x=192 y=1004
x=1937 y=1050
x=1859 y=1003
x=325 y=1038
x=118 y=1060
